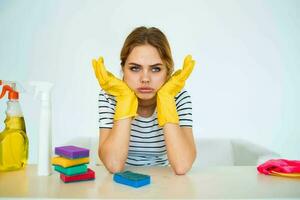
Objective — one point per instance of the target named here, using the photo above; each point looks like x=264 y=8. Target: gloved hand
x=127 y=102
x=166 y=107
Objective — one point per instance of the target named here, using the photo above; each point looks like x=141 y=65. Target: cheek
x=159 y=81
x=130 y=80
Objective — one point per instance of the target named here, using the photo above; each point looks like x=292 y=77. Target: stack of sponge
x=71 y=163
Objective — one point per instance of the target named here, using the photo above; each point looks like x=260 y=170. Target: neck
x=146 y=107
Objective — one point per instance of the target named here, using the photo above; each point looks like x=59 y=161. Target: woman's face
x=144 y=71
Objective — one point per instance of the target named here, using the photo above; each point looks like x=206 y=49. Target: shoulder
x=106 y=98
x=106 y=110
x=184 y=108
x=183 y=101
x=183 y=94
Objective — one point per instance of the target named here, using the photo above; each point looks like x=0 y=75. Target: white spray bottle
x=43 y=89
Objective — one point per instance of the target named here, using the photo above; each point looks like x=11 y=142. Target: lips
x=145 y=90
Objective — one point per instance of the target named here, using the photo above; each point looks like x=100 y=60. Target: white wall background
x=245 y=85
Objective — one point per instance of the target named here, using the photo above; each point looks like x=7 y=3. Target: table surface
x=216 y=182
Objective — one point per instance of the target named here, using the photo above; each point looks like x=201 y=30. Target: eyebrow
x=141 y=65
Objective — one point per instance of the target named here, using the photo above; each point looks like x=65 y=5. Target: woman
x=146 y=118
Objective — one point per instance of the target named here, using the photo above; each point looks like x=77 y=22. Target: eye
x=155 y=69
x=134 y=68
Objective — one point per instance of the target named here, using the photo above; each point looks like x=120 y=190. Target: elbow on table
x=112 y=166
x=115 y=167
x=181 y=169
x=183 y=166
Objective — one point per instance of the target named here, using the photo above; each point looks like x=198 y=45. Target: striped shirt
x=147 y=145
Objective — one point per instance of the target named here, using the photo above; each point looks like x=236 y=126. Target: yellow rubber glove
x=166 y=106
x=127 y=102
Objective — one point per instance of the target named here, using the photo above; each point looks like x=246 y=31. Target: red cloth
x=279 y=165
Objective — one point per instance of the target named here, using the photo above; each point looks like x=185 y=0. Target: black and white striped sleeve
x=184 y=108
x=106 y=107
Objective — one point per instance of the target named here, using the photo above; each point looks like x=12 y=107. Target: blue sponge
x=132 y=179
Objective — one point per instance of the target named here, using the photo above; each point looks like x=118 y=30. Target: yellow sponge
x=65 y=162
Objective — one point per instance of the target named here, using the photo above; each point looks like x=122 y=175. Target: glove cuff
x=126 y=107
x=166 y=110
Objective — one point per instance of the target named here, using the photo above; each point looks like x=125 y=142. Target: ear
x=122 y=73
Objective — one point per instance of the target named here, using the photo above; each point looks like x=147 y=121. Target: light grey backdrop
x=245 y=84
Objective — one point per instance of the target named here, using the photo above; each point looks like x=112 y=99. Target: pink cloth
x=279 y=165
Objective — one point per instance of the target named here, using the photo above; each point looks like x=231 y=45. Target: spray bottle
x=13 y=139
x=45 y=137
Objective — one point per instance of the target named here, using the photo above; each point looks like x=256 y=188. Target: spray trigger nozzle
x=12 y=94
x=43 y=88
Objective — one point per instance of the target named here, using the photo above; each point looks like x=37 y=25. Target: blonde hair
x=152 y=36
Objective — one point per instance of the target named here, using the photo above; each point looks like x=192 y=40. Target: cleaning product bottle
x=13 y=139
x=43 y=89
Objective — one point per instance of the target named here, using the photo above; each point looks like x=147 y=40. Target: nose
x=145 y=77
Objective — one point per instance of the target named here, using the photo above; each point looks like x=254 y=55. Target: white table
x=217 y=183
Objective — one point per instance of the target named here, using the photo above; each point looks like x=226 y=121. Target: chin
x=146 y=96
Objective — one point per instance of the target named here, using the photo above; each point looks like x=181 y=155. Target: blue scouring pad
x=132 y=179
